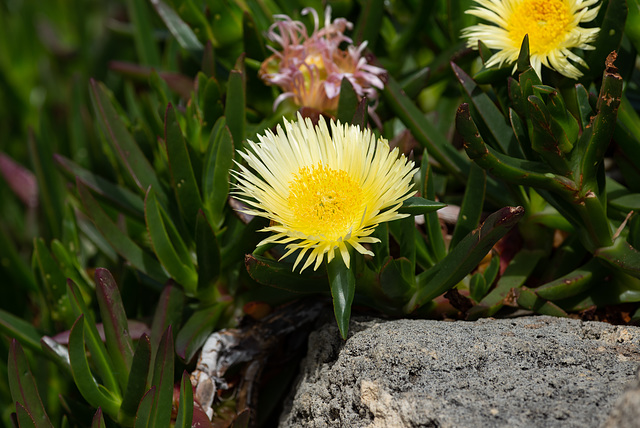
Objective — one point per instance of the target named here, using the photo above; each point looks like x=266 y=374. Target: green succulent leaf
x=178 y=28
x=53 y=281
x=426 y=134
x=137 y=385
x=235 y=107
x=163 y=380
x=168 y=311
x=136 y=165
x=95 y=394
x=348 y=102
x=342 y=281
x=514 y=276
x=528 y=299
x=208 y=254
x=24 y=391
x=143 y=32
x=144 y=415
x=116 y=326
x=573 y=283
x=195 y=331
x=168 y=244
x=124 y=245
x=90 y=336
x=185 y=406
x=98 y=420
x=280 y=275
x=464 y=257
x=182 y=177
x=502 y=137
x=416 y=205
x=472 y=203
x=15 y=327
x=215 y=174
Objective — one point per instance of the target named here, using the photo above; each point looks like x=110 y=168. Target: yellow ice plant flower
x=322 y=188
x=553 y=27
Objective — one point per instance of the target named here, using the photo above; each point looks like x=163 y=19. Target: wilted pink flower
x=310 y=69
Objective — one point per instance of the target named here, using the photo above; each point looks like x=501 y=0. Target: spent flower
x=310 y=69
x=323 y=188
x=553 y=27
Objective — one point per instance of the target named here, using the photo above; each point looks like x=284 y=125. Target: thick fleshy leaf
x=23 y=388
x=49 y=185
x=416 y=205
x=478 y=287
x=178 y=28
x=99 y=355
x=210 y=101
x=369 y=23
x=138 y=168
x=514 y=276
x=609 y=37
x=622 y=256
x=24 y=418
x=348 y=102
x=168 y=244
x=163 y=380
x=592 y=149
x=573 y=283
x=95 y=394
x=342 y=281
x=137 y=385
x=182 y=176
x=144 y=415
x=397 y=278
x=472 y=203
x=116 y=328
x=527 y=299
x=185 y=405
x=235 y=107
x=279 y=275
x=215 y=174
x=405 y=233
x=53 y=281
x=168 y=311
x=422 y=129
x=56 y=352
x=124 y=245
x=495 y=125
x=511 y=169
x=196 y=330
x=432 y=225
x=464 y=257
x=17 y=328
x=143 y=35
x=98 y=420
x=208 y=254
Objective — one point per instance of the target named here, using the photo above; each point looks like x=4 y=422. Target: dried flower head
x=310 y=69
x=323 y=189
x=553 y=27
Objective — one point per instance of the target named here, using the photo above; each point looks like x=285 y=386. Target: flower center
x=325 y=201
x=545 y=21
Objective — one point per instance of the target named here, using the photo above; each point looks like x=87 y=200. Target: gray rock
x=522 y=372
x=626 y=412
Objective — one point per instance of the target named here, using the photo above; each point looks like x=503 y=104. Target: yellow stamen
x=546 y=22
x=326 y=201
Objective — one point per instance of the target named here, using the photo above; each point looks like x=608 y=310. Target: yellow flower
x=553 y=27
x=323 y=189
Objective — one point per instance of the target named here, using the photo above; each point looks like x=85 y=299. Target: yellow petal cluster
x=324 y=188
x=553 y=27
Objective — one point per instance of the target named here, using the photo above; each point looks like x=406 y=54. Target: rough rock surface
x=521 y=372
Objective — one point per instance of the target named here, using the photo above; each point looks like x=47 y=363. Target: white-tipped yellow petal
x=324 y=190
x=553 y=27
